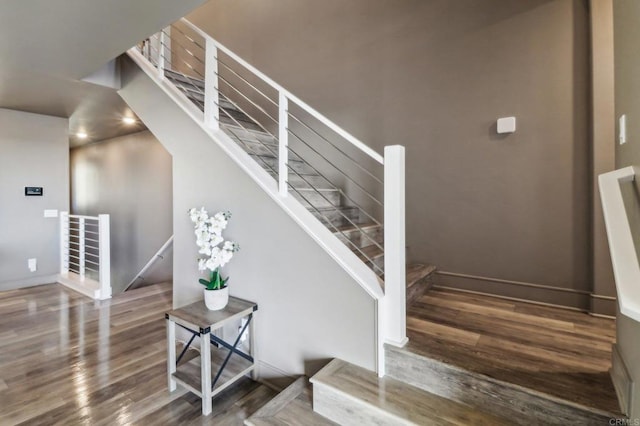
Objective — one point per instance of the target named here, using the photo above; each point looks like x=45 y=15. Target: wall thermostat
x=33 y=191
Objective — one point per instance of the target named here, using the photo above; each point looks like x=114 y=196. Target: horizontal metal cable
x=244 y=96
x=92 y=262
x=328 y=201
x=161 y=54
x=256 y=122
x=247 y=82
x=174 y=41
x=91 y=239
x=336 y=167
x=188 y=37
x=331 y=143
x=336 y=186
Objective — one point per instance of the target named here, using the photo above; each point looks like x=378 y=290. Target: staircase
x=418 y=387
x=350 y=224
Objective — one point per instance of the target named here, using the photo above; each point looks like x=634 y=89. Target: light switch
x=506 y=125
x=622 y=129
x=32 y=264
x=51 y=213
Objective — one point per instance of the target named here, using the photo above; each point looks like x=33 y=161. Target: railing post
x=211 y=95
x=161 y=61
x=104 y=249
x=394 y=246
x=283 y=143
x=64 y=242
x=81 y=243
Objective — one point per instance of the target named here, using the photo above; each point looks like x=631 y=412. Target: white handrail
x=624 y=258
x=159 y=255
x=321 y=118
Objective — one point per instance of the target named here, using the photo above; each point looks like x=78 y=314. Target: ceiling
x=48 y=46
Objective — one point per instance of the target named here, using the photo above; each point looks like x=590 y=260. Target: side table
x=196 y=374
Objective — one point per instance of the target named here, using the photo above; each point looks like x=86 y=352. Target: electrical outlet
x=32 y=264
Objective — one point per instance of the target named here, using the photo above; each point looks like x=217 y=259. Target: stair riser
x=317 y=199
x=418 y=290
x=179 y=79
x=336 y=218
x=360 y=238
x=348 y=411
x=521 y=407
x=298 y=166
x=307 y=181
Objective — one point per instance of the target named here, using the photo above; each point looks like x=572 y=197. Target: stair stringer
x=145 y=92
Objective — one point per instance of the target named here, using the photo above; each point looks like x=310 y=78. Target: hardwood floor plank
x=559 y=352
x=66 y=359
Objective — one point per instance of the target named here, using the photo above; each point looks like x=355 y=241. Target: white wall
x=34 y=151
x=129 y=178
x=310 y=309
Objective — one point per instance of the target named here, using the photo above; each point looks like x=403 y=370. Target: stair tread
x=371 y=252
x=403 y=401
x=291 y=406
x=417 y=272
x=514 y=354
x=360 y=226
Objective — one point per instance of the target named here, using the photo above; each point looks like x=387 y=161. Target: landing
x=559 y=352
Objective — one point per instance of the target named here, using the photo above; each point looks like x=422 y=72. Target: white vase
x=216 y=300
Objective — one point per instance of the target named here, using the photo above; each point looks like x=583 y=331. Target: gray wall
x=626 y=20
x=434 y=76
x=129 y=178
x=310 y=309
x=33 y=152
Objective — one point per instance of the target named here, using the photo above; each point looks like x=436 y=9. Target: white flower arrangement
x=217 y=252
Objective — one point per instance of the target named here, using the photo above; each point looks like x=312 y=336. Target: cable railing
x=85 y=253
x=346 y=184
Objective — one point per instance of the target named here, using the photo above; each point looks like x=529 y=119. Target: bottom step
x=292 y=406
x=351 y=395
x=523 y=406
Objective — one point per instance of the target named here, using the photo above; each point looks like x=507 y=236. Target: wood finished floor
x=65 y=359
x=559 y=352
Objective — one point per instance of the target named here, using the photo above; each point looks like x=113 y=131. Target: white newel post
x=211 y=111
x=82 y=248
x=394 y=246
x=283 y=143
x=64 y=242
x=104 y=248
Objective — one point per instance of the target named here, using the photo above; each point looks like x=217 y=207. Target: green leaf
x=204 y=282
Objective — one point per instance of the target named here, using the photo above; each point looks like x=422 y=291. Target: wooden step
x=362 y=235
x=182 y=78
x=317 y=198
x=371 y=255
x=350 y=395
x=292 y=406
x=418 y=281
x=336 y=216
x=270 y=164
x=521 y=405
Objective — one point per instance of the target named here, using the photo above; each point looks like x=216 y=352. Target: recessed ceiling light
x=129 y=120
x=82 y=135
